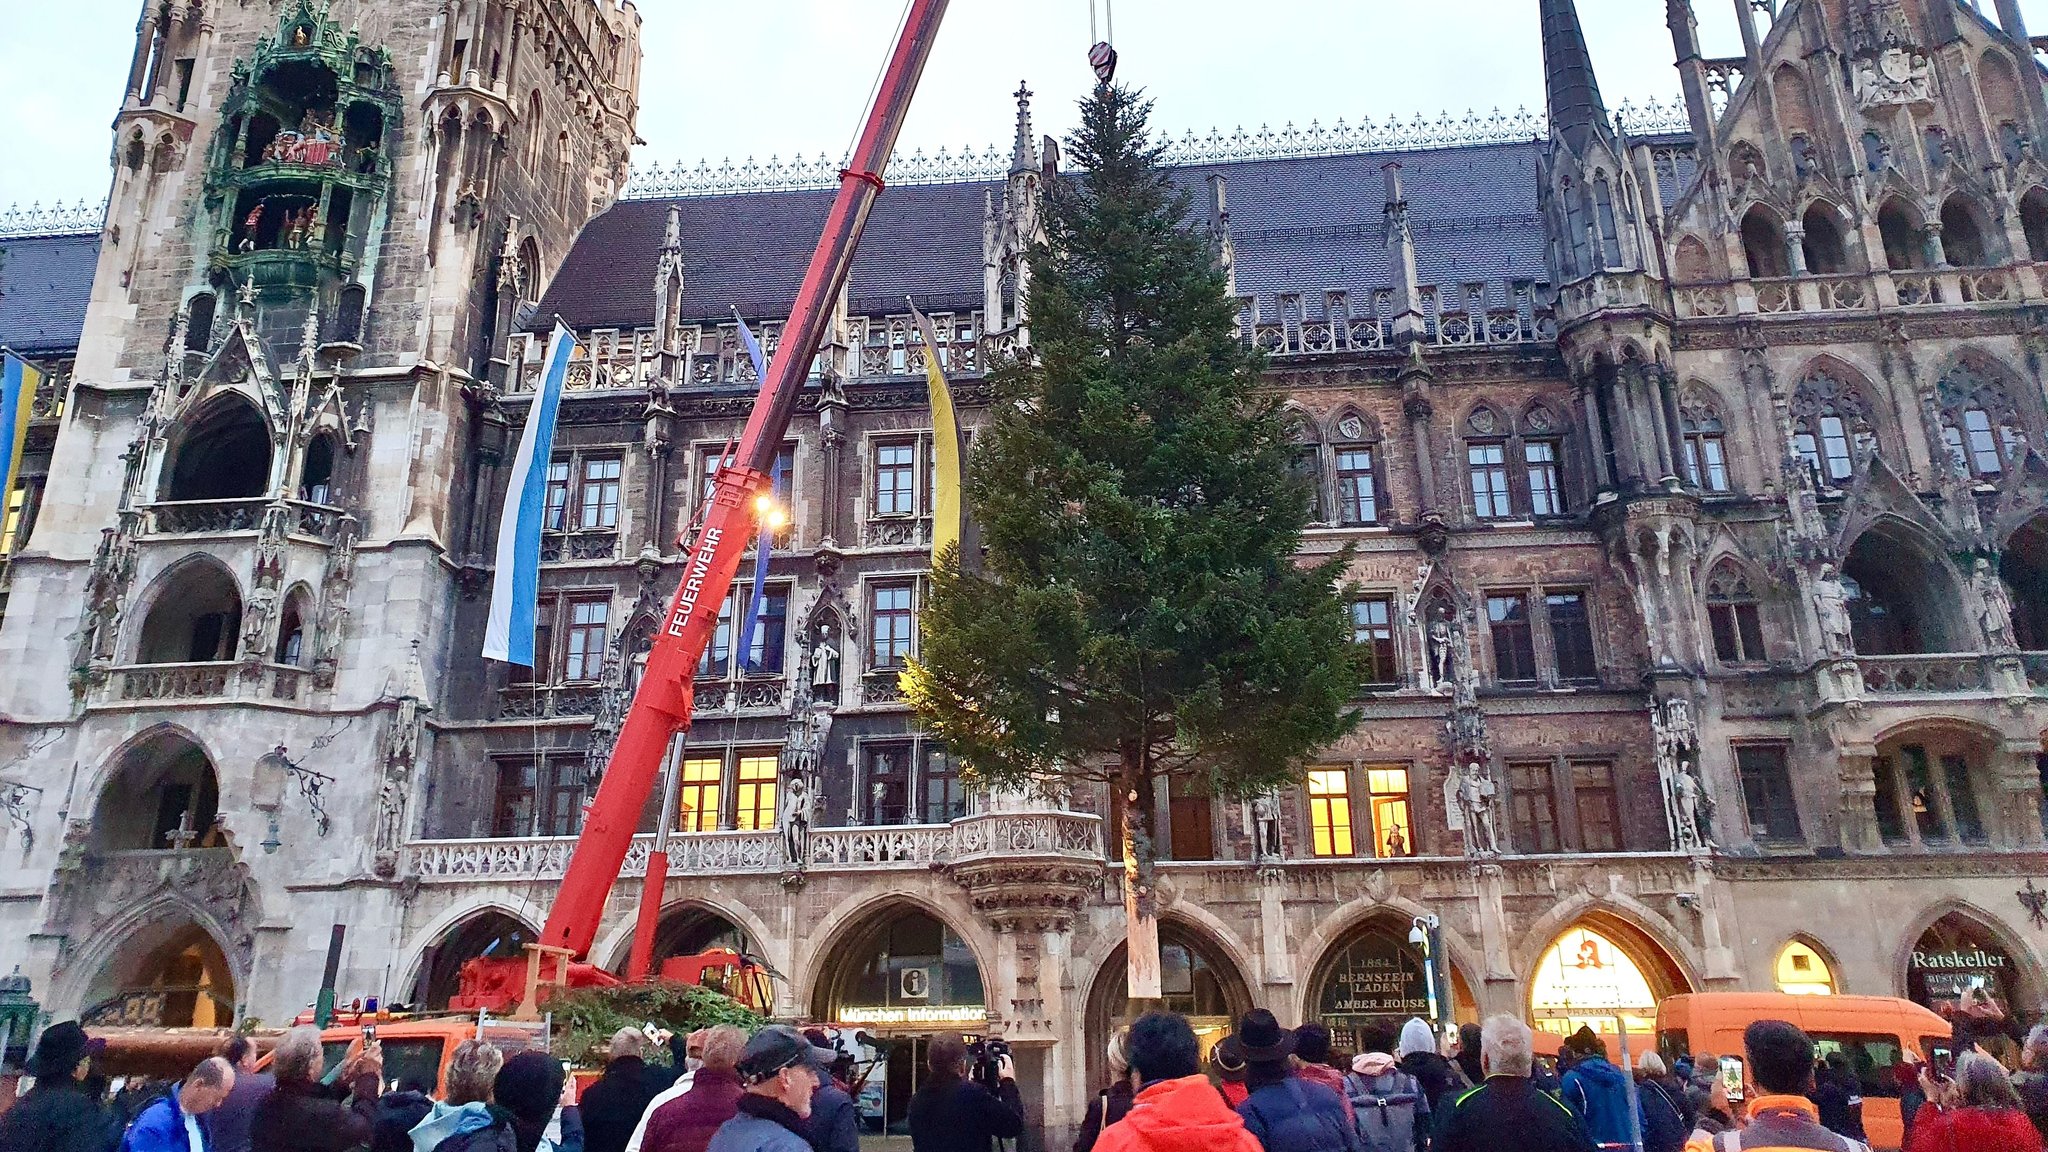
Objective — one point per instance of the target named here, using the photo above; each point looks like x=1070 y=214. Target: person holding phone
x=1778 y=1062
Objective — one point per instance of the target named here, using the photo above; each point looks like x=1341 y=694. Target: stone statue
x=1265 y=827
x=1831 y=605
x=1439 y=654
x=825 y=666
x=1994 y=606
x=797 y=802
x=1476 y=795
x=390 y=823
x=1685 y=799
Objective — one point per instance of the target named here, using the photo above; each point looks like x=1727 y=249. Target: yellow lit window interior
x=1802 y=972
x=697 y=796
x=1329 y=812
x=1392 y=833
x=756 y=793
x=10 y=527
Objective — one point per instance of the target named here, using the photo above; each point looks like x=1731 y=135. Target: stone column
x=1674 y=425
x=1795 y=248
x=1276 y=955
x=1417 y=408
x=1859 y=802
x=145 y=47
x=1596 y=434
x=832 y=449
x=1503 y=992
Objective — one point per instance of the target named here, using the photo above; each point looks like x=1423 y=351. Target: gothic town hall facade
x=1695 y=464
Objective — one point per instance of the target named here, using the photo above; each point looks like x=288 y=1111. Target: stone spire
x=1407 y=320
x=1576 y=110
x=1024 y=156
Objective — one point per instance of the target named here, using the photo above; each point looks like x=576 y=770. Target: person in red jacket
x=686 y=1123
x=1981 y=1113
x=1177 y=1109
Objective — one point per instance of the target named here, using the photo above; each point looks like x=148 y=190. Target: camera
x=987 y=1054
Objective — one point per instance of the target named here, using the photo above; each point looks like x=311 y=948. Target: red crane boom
x=663 y=703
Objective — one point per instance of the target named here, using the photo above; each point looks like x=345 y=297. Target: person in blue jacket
x=1597 y=1092
x=172 y=1122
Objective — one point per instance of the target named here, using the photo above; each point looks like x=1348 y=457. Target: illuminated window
x=20 y=516
x=697 y=795
x=1393 y=834
x=1329 y=811
x=755 y=793
x=1586 y=979
x=1802 y=972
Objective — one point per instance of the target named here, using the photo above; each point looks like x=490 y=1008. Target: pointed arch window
x=1831 y=427
x=1603 y=208
x=1706 y=457
x=1515 y=472
x=1733 y=617
x=1575 y=226
x=1980 y=423
x=1359 y=470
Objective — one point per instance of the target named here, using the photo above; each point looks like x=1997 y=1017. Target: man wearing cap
x=780 y=1070
x=1286 y=1112
x=58 y=1114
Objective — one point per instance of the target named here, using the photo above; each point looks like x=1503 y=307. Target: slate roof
x=1302 y=224
x=45 y=282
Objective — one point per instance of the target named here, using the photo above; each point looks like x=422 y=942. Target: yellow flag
x=946 y=497
x=18 y=383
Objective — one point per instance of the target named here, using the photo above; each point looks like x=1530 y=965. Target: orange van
x=1874 y=1032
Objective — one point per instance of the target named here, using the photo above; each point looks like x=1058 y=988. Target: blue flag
x=515 y=586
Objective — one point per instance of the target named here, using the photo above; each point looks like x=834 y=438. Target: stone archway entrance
x=1605 y=974
x=1374 y=978
x=1957 y=951
x=888 y=986
x=695 y=945
x=1198 y=980
x=489 y=933
x=170 y=973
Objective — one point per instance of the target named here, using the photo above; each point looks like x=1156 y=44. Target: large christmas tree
x=1139 y=611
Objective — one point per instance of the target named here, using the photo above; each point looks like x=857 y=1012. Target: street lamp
x=1425 y=932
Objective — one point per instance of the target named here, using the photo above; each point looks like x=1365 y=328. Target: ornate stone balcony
x=1074 y=838
x=1858 y=292
x=547 y=701
x=216 y=680
x=1942 y=674
x=321 y=522
x=600 y=544
x=760 y=692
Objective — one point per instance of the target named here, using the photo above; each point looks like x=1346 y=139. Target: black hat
x=777 y=1047
x=1228 y=1057
x=529 y=1086
x=60 y=1049
x=1585 y=1043
x=1263 y=1038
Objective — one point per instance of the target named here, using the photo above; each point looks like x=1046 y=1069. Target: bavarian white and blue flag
x=515 y=587
x=767 y=538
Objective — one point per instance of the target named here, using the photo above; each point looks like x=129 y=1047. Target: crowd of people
x=1263 y=1088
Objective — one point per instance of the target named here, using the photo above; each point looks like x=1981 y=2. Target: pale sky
x=726 y=79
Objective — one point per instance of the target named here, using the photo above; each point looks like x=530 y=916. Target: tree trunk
x=1141 y=907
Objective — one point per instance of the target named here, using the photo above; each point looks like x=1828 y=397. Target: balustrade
x=210 y=681
x=547 y=701
x=582 y=544
x=1896 y=675
x=205 y=517
x=1072 y=835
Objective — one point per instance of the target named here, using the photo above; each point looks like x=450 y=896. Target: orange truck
x=1875 y=1034
x=417 y=1052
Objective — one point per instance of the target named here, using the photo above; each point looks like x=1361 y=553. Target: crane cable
x=846 y=156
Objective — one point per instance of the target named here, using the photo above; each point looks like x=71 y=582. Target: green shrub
x=585 y=1018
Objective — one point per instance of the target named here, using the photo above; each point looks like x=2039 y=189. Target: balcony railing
x=546 y=701
x=212 y=680
x=580 y=544
x=766 y=691
x=1076 y=835
x=1923 y=675
x=205 y=517
x=1853 y=292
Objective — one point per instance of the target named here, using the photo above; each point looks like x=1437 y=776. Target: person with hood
x=780 y=1070
x=687 y=1123
x=544 y=1117
x=835 y=1123
x=1227 y=1068
x=468 y=1121
x=1982 y=1113
x=1391 y=1112
x=1419 y=1058
x=399 y=1112
x=1312 y=1063
x=58 y=1114
x=302 y=1114
x=171 y=1122
x=1175 y=1109
x=1285 y=1112
x=1467 y=1060
x=1507 y=1110
x=1665 y=1124
x=1779 y=1060
x=1597 y=1092
x=229 y=1123
x=1112 y=1102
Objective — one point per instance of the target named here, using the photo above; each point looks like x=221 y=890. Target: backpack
x=1386 y=1107
x=1301 y=1125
